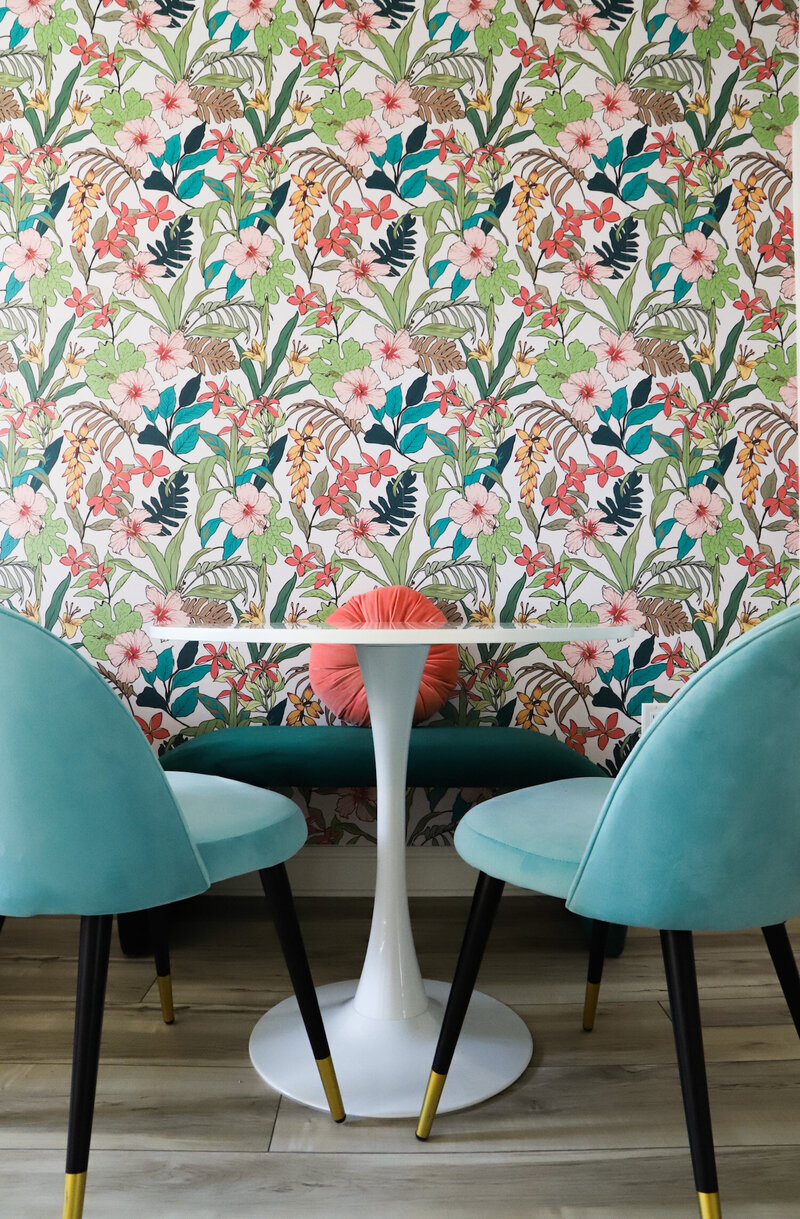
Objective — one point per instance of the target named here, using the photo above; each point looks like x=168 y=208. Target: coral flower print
x=359 y=139
x=28 y=258
x=613 y=103
x=691 y=15
x=169 y=351
x=586 y=392
x=247 y=511
x=617 y=352
x=395 y=101
x=31 y=12
x=173 y=100
x=583 y=531
x=470 y=14
x=587 y=657
x=475 y=255
x=581 y=141
x=128 y=531
x=700 y=512
x=393 y=350
x=358 y=530
x=131 y=652
x=250 y=256
x=252 y=13
x=696 y=257
x=580 y=25
x=619 y=609
x=358 y=391
x=476 y=510
x=137 y=274
x=24 y=512
x=134 y=392
x=358 y=25
x=140 y=139
x=165 y=609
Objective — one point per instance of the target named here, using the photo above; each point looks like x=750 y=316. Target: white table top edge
x=515 y=633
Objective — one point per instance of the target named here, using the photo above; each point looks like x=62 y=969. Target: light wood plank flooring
x=593 y=1130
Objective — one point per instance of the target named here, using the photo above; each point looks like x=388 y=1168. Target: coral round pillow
x=334 y=672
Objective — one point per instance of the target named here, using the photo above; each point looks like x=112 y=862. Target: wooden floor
x=593 y=1130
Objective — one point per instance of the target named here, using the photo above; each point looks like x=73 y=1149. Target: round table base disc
x=383 y=1065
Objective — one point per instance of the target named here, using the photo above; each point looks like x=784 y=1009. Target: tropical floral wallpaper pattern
x=494 y=298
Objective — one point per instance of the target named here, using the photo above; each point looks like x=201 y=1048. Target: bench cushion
x=324 y=756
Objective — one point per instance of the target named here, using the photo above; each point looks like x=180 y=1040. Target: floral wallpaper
x=489 y=297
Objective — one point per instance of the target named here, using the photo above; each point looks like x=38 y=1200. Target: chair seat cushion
x=496 y=837
x=322 y=756
x=237 y=828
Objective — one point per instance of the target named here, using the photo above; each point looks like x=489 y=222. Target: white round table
x=383 y=1027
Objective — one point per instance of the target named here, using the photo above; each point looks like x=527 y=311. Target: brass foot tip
x=430 y=1104
x=74 y=1192
x=709 y=1206
x=330 y=1085
x=590 y=1005
x=165 y=995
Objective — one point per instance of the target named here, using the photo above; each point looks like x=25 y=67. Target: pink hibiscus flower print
x=581 y=25
x=168 y=350
x=621 y=609
x=787 y=283
x=472 y=13
x=129 y=531
x=393 y=350
x=174 y=101
x=691 y=15
x=24 y=512
x=137 y=23
x=586 y=392
x=787 y=29
x=475 y=255
x=583 y=274
x=358 y=390
x=138 y=139
x=788 y=393
x=31 y=12
x=28 y=257
x=137 y=274
x=586 y=657
x=582 y=531
x=166 y=609
x=395 y=101
x=247 y=511
x=784 y=145
x=357 y=272
x=613 y=103
x=134 y=392
x=250 y=13
x=476 y=510
x=359 y=138
x=696 y=257
x=699 y=513
x=131 y=652
x=618 y=352
x=360 y=24
x=358 y=531
x=792 y=542
x=581 y=141
x=251 y=255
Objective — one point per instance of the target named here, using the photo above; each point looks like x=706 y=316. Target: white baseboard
x=326 y=871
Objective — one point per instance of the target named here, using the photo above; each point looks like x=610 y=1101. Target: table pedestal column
x=383 y=1029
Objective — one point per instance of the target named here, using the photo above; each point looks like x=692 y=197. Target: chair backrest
x=88 y=824
x=701 y=829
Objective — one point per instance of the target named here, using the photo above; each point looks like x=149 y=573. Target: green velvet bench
x=501 y=759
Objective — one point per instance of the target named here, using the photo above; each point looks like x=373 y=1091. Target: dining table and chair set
x=699 y=831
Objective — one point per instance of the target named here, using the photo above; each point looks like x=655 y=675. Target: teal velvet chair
x=91 y=826
x=699 y=831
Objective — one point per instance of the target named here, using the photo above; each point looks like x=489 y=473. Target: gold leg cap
x=74 y=1191
x=331 y=1085
x=433 y=1094
x=165 y=994
x=709 y=1206
x=590 y=1005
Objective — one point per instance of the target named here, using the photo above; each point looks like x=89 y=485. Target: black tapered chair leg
x=2 y=920
x=594 y=973
x=134 y=934
x=485 y=901
x=278 y=893
x=678 y=951
x=159 y=935
x=780 y=949
x=95 y=943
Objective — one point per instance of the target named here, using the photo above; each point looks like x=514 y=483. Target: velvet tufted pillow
x=334 y=672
